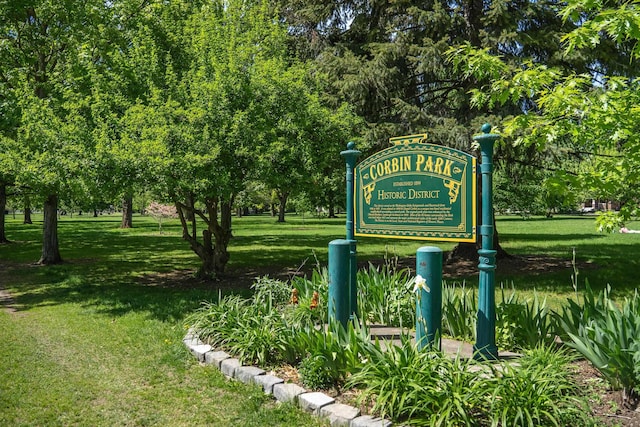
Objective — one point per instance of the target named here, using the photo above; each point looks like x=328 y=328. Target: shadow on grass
x=90 y=286
x=105 y=264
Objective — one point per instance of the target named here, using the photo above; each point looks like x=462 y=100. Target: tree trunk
x=283 y=205
x=222 y=234
x=27 y=211
x=50 y=249
x=212 y=251
x=95 y=213
x=3 y=206
x=127 y=211
x=332 y=205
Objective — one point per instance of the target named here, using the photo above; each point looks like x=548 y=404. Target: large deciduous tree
x=220 y=101
x=40 y=44
x=593 y=116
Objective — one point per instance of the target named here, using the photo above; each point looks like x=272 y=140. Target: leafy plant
x=332 y=354
x=524 y=324
x=607 y=335
x=272 y=291
x=385 y=296
x=538 y=391
x=459 y=311
x=314 y=373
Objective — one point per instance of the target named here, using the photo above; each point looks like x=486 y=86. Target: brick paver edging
x=316 y=403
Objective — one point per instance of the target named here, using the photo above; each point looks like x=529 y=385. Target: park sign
x=416 y=190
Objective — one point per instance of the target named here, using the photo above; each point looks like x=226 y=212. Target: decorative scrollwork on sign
x=454 y=189
x=367 y=191
x=409 y=139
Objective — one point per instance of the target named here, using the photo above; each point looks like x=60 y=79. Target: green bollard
x=428 y=301
x=339 y=272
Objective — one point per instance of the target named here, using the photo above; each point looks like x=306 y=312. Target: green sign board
x=415 y=190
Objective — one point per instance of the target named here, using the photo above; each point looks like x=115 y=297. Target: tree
x=304 y=136
x=592 y=117
x=389 y=59
x=160 y=212
x=202 y=126
x=41 y=42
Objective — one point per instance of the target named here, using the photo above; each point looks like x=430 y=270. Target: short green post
x=485 y=347
x=339 y=281
x=351 y=155
x=428 y=288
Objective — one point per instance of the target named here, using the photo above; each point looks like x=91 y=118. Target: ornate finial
x=351 y=145
x=486 y=128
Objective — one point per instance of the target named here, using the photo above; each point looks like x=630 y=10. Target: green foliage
x=584 y=119
x=385 y=295
x=331 y=354
x=538 y=392
x=419 y=388
x=273 y=292
x=524 y=324
x=606 y=334
x=459 y=311
x=315 y=373
x=520 y=323
x=609 y=221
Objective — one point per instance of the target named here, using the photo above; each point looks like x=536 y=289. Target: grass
x=95 y=342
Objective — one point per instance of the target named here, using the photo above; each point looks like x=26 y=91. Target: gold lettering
x=372 y=172
x=429 y=165
x=447 y=168
x=395 y=165
x=419 y=162
x=406 y=163
x=438 y=168
x=387 y=167
x=379 y=169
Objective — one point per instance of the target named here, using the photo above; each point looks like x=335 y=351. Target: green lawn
x=93 y=344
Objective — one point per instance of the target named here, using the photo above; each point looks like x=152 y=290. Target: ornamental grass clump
x=420 y=388
x=331 y=355
x=537 y=391
x=459 y=311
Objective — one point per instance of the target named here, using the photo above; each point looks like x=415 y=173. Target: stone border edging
x=319 y=404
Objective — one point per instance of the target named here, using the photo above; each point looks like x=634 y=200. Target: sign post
x=351 y=155
x=485 y=347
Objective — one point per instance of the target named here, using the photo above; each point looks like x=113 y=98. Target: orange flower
x=294 y=296
x=314 y=300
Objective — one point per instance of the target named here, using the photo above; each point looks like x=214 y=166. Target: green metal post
x=339 y=281
x=428 y=296
x=485 y=347
x=351 y=155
